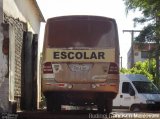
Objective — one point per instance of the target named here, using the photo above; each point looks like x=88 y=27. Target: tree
x=151 y=14
x=150 y=9
x=146 y=68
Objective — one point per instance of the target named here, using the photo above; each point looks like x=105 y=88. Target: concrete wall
x=25 y=11
x=1 y=11
x=18 y=13
x=16 y=58
x=137 y=56
x=4 y=81
x=138 y=48
x=129 y=58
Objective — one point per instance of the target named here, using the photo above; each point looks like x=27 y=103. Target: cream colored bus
x=80 y=62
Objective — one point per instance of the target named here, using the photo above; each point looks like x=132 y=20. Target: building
x=19 y=29
x=141 y=52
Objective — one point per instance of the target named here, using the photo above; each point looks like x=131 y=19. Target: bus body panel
x=80 y=57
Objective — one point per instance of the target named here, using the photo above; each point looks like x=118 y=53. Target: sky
x=108 y=8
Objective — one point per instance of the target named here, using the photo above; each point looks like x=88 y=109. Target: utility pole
x=132 y=39
x=157 y=51
x=120 y=62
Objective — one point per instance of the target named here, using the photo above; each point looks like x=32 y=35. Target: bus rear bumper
x=63 y=87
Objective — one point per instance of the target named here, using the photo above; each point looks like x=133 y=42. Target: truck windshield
x=145 y=87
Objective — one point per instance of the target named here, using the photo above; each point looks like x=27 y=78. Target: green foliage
x=146 y=68
x=150 y=13
x=147 y=34
x=150 y=10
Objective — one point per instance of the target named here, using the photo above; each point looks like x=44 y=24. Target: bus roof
x=82 y=17
x=81 y=31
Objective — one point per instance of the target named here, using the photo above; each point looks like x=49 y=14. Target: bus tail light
x=47 y=68
x=113 y=68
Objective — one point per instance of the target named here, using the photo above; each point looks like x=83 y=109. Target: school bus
x=80 y=62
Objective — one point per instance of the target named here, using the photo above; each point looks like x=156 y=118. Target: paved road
x=120 y=114
x=59 y=115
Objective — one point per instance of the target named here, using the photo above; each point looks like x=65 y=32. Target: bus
x=80 y=63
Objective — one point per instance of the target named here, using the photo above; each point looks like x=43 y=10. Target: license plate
x=79 y=67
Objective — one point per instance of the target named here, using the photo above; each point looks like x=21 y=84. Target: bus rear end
x=80 y=62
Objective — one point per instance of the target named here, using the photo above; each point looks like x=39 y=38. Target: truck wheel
x=109 y=106
x=52 y=104
x=56 y=106
x=101 y=108
x=135 y=108
x=49 y=103
x=105 y=107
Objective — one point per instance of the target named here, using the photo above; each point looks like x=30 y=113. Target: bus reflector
x=57 y=84
x=47 y=68
x=61 y=84
x=113 y=68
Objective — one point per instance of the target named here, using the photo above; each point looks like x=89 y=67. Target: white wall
x=25 y=11
x=138 y=57
x=4 y=82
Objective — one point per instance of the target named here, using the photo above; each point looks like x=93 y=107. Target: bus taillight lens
x=47 y=68
x=113 y=69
